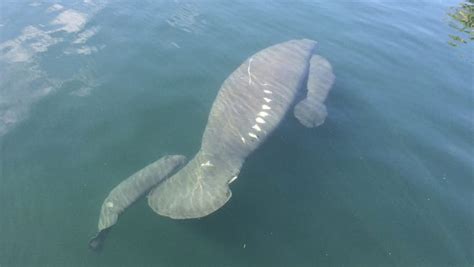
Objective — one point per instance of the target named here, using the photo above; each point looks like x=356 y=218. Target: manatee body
x=250 y=104
x=129 y=190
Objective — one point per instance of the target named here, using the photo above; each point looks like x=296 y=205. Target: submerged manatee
x=129 y=190
x=311 y=112
x=249 y=106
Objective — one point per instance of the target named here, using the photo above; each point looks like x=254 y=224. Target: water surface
x=92 y=91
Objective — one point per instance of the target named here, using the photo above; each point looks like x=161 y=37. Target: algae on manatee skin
x=462 y=20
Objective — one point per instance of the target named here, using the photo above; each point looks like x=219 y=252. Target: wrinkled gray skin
x=249 y=106
x=132 y=188
x=311 y=112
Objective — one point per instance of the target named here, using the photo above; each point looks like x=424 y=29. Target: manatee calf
x=311 y=112
x=129 y=190
x=250 y=104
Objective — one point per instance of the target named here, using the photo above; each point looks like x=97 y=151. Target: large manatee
x=251 y=103
x=129 y=190
x=249 y=106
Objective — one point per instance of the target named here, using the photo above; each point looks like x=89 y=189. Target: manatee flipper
x=129 y=190
x=311 y=111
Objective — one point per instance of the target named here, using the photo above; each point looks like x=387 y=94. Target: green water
x=92 y=91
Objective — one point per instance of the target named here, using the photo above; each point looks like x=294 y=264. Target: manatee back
x=250 y=104
x=254 y=99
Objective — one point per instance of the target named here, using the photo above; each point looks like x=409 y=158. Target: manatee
x=311 y=111
x=249 y=106
x=129 y=190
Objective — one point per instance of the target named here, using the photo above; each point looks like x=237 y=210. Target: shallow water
x=92 y=91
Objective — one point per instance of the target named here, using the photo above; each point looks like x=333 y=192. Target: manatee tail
x=311 y=111
x=97 y=242
x=197 y=190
